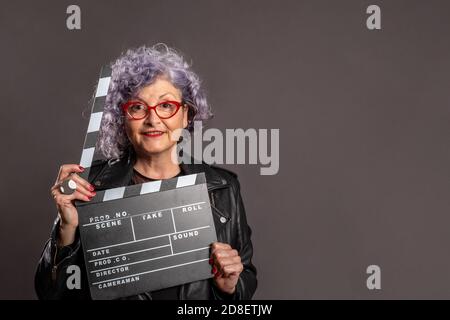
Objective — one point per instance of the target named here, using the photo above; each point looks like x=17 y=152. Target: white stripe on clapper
x=102 y=88
x=86 y=157
x=185 y=181
x=152 y=186
x=112 y=194
x=94 y=122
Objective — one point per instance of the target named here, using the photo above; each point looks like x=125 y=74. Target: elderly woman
x=153 y=95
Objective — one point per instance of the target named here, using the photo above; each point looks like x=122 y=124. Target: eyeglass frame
x=127 y=104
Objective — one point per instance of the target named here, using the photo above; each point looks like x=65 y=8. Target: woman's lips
x=153 y=134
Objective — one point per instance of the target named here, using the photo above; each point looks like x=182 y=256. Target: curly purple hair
x=138 y=68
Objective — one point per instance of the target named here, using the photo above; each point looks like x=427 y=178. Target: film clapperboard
x=142 y=237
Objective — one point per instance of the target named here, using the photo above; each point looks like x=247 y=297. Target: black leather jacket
x=229 y=218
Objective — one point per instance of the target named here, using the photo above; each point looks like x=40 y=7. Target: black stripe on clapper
x=97 y=106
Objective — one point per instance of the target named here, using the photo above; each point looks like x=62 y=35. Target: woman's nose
x=152 y=117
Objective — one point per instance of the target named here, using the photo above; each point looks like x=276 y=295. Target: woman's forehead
x=160 y=88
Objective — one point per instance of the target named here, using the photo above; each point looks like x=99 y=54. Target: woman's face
x=138 y=131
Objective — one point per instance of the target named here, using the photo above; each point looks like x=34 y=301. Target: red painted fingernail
x=214 y=269
x=91 y=187
x=81 y=168
x=211 y=260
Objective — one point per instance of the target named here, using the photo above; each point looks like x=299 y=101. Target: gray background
x=363 y=118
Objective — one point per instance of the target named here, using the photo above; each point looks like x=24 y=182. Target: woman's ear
x=185 y=116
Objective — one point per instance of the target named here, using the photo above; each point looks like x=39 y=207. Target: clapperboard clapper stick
x=142 y=237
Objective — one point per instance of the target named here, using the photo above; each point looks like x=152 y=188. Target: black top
x=168 y=293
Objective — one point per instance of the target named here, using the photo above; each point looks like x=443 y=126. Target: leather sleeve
x=51 y=273
x=247 y=282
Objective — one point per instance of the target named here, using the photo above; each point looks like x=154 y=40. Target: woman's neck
x=158 y=166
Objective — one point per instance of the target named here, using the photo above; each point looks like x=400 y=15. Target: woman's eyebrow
x=137 y=98
x=166 y=94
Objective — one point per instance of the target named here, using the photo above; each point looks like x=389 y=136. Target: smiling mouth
x=153 y=133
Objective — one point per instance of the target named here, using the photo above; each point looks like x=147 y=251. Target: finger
x=66 y=200
x=54 y=190
x=227 y=253
x=224 y=253
x=77 y=195
x=69 y=186
x=219 y=246
x=222 y=263
x=66 y=169
x=232 y=270
x=82 y=184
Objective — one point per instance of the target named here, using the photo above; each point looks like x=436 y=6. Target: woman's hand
x=226 y=266
x=65 y=203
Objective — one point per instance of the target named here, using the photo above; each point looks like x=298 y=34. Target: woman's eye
x=137 y=107
x=167 y=105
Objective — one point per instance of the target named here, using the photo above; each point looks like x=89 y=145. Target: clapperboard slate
x=143 y=237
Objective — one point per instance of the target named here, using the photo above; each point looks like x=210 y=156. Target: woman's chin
x=156 y=150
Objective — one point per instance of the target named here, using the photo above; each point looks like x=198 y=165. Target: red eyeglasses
x=138 y=110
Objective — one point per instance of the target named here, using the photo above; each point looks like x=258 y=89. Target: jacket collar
x=118 y=173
